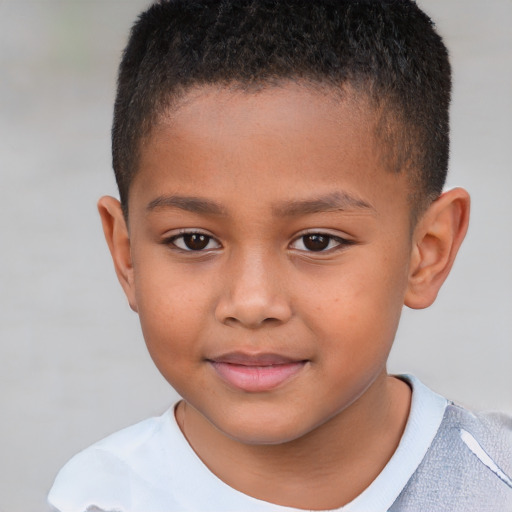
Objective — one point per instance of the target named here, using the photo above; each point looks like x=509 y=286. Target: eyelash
x=172 y=241
x=317 y=237
x=340 y=242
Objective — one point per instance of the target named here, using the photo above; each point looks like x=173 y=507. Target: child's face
x=270 y=251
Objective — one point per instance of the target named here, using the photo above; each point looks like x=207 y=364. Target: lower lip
x=254 y=379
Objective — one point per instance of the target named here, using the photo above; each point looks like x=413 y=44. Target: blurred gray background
x=73 y=363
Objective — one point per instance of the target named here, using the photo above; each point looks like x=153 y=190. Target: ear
x=118 y=240
x=436 y=241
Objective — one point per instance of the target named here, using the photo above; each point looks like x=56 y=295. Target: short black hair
x=385 y=50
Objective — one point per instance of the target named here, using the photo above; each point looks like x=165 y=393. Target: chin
x=264 y=431
x=264 y=437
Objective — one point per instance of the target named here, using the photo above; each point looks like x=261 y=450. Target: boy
x=280 y=167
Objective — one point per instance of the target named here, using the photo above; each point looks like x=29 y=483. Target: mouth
x=256 y=373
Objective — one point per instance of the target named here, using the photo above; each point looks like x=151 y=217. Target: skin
x=257 y=174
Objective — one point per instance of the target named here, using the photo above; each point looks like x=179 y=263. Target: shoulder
x=108 y=473
x=148 y=467
x=488 y=436
x=468 y=466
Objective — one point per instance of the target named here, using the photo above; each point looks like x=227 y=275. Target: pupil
x=196 y=241
x=316 y=242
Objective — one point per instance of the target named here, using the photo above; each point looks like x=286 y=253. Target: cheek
x=164 y=289
x=172 y=311
x=361 y=302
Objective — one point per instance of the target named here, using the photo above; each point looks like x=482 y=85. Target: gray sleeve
x=468 y=467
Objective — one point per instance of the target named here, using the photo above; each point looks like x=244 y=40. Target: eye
x=194 y=242
x=318 y=242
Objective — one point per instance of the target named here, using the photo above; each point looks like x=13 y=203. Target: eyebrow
x=187 y=203
x=337 y=201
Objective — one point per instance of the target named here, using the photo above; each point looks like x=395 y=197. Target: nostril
x=271 y=320
x=254 y=324
x=252 y=299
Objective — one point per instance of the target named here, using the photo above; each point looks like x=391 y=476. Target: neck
x=338 y=460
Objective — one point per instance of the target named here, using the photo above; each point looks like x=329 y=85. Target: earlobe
x=118 y=240
x=436 y=241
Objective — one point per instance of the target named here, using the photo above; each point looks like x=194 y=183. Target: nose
x=254 y=293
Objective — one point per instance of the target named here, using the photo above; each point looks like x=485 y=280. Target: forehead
x=284 y=141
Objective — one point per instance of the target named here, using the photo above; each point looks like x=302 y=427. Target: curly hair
x=386 y=50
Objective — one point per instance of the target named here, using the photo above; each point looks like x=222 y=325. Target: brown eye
x=320 y=242
x=316 y=242
x=194 y=242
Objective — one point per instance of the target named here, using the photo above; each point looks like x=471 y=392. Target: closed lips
x=256 y=373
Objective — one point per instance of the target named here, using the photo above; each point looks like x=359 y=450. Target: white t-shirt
x=150 y=467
